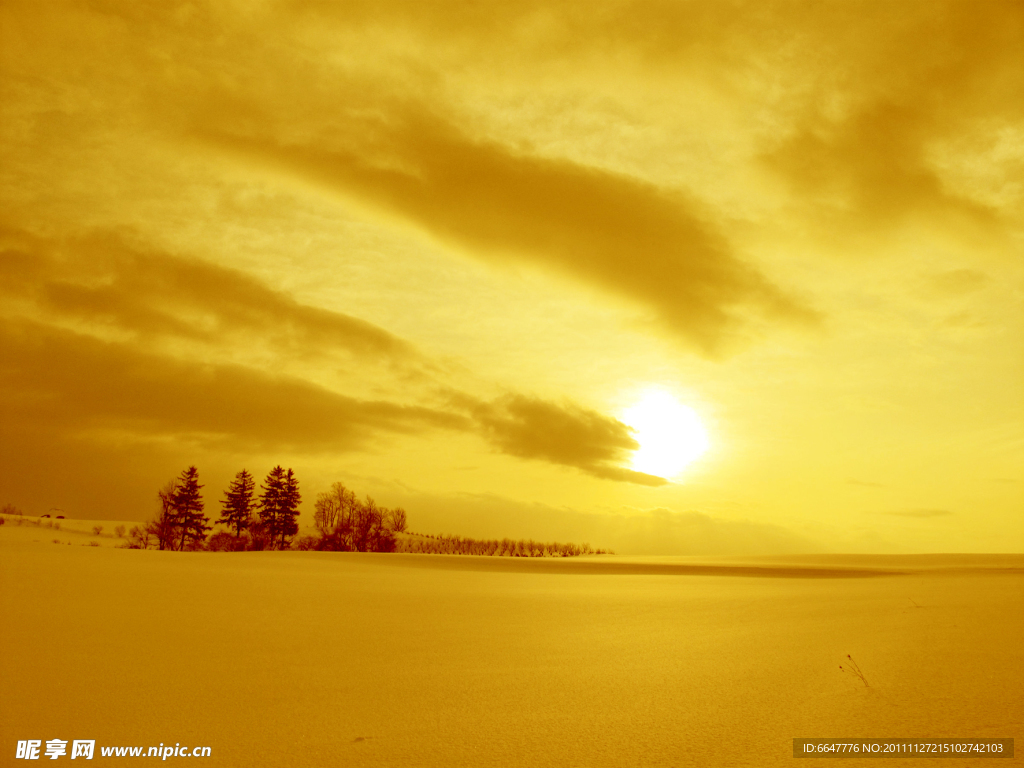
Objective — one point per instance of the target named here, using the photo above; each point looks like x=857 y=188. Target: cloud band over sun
x=108 y=374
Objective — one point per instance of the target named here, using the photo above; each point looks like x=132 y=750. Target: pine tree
x=187 y=508
x=272 y=501
x=238 y=503
x=290 y=500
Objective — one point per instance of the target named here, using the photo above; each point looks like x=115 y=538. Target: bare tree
x=327 y=511
x=139 y=537
x=397 y=520
x=367 y=517
x=336 y=515
x=163 y=528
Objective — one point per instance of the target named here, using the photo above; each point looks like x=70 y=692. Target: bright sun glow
x=670 y=435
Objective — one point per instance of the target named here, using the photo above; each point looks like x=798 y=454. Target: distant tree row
x=459 y=545
x=266 y=522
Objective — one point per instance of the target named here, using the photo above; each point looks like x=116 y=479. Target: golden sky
x=438 y=250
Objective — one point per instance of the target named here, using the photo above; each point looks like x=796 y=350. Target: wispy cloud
x=920 y=513
x=107 y=281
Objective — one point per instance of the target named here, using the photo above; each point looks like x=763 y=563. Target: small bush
x=97 y=529
x=10 y=510
x=258 y=538
x=94 y=543
x=138 y=538
x=222 y=541
x=56 y=541
x=119 y=531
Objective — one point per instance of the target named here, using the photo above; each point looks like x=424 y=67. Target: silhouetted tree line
x=459 y=545
x=343 y=523
x=267 y=522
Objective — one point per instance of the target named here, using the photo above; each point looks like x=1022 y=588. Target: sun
x=670 y=434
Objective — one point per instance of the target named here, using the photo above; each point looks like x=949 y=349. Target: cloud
x=874 y=113
x=105 y=280
x=620 y=234
x=73 y=384
x=565 y=434
x=896 y=88
x=113 y=285
x=920 y=513
x=382 y=131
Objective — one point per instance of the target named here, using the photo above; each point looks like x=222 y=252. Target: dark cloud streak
x=68 y=384
x=941 y=71
x=104 y=278
x=564 y=434
x=76 y=384
x=617 y=233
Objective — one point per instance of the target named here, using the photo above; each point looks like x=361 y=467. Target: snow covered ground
x=313 y=659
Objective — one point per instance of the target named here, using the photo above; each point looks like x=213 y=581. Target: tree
x=138 y=537
x=370 y=531
x=397 y=520
x=163 y=528
x=279 y=505
x=290 y=501
x=366 y=519
x=382 y=537
x=348 y=525
x=327 y=510
x=238 y=504
x=187 y=506
x=259 y=536
x=271 y=500
x=334 y=516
